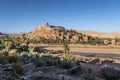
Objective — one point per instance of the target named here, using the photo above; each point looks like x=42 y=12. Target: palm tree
x=66 y=47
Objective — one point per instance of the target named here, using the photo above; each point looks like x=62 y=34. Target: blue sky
x=94 y=15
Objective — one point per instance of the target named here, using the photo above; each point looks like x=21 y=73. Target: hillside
x=56 y=32
x=101 y=34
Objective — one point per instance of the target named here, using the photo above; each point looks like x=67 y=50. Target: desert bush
x=40 y=63
x=2 y=46
x=9 y=45
x=80 y=60
x=69 y=56
x=3 y=59
x=66 y=64
x=22 y=48
x=12 y=59
x=12 y=52
x=19 y=68
x=52 y=61
x=111 y=60
x=5 y=53
x=1 y=56
x=44 y=60
x=110 y=73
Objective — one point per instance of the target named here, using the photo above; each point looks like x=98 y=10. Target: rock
x=106 y=42
x=113 y=42
x=40 y=76
x=29 y=67
x=46 y=69
x=74 y=70
x=91 y=68
x=8 y=73
x=85 y=76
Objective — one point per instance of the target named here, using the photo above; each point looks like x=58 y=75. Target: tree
x=66 y=47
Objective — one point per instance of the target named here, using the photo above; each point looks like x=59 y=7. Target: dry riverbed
x=101 y=50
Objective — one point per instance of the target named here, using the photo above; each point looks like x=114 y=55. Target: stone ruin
x=8 y=73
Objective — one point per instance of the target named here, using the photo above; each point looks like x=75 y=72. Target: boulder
x=74 y=70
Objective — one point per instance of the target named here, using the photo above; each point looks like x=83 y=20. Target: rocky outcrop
x=8 y=73
x=91 y=68
x=74 y=70
x=56 y=32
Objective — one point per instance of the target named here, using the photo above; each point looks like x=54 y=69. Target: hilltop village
x=58 y=34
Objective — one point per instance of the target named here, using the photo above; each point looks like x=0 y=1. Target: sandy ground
x=87 y=49
x=84 y=48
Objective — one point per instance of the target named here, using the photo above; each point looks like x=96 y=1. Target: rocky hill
x=56 y=32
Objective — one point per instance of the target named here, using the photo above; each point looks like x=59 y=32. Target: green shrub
x=40 y=63
x=2 y=46
x=69 y=56
x=12 y=59
x=3 y=59
x=110 y=73
x=19 y=68
x=51 y=61
x=5 y=53
x=66 y=64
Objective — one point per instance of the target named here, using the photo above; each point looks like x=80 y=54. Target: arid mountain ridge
x=2 y=33
x=54 y=32
x=50 y=31
x=101 y=34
